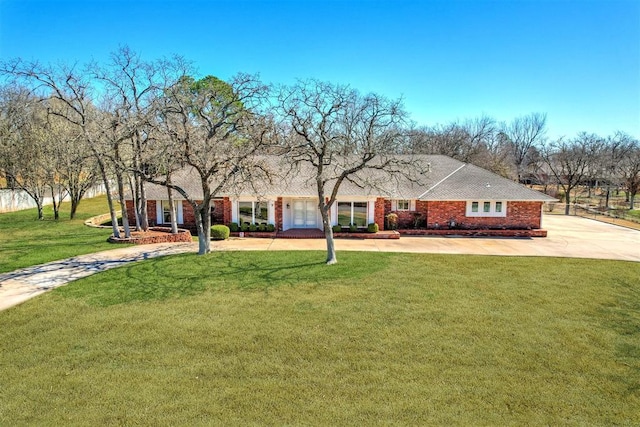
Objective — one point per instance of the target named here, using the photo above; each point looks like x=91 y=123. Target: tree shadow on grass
x=189 y=275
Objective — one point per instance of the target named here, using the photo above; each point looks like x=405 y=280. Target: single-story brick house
x=448 y=194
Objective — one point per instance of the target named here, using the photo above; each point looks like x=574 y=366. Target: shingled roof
x=442 y=178
x=469 y=182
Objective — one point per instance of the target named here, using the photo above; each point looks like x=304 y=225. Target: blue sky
x=577 y=61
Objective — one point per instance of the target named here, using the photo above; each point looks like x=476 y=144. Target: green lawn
x=242 y=338
x=25 y=241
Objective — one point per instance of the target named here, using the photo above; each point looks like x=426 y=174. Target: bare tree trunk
x=125 y=215
x=144 y=215
x=136 y=202
x=112 y=210
x=203 y=226
x=39 y=205
x=632 y=199
x=328 y=234
x=56 y=205
x=172 y=208
x=74 y=207
x=567 y=199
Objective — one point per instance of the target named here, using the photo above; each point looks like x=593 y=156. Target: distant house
x=447 y=195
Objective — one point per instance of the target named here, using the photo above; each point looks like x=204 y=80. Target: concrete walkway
x=21 y=285
x=572 y=237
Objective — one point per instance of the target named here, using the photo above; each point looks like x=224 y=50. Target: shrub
x=271 y=227
x=353 y=228
x=392 y=221
x=373 y=228
x=262 y=227
x=219 y=232
x=253 y=227
x=234 y=227
x=337 y=228
x=245 y=227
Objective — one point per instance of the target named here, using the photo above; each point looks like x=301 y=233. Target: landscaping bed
x=476 y=233
x=154 y=235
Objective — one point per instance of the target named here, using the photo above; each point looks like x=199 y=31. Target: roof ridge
x=441 y=181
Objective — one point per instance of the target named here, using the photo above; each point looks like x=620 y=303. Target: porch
x=315 y=233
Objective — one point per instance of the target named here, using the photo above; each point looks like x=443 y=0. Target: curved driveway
x=572 y=237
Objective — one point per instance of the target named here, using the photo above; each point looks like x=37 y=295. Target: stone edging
x=165 y=237
x=96 y=221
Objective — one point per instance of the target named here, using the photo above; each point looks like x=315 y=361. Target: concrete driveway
x=571 y=237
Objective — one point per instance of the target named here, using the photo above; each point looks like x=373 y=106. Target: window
x=489 y=208
x=352 y=213
x=344 y=213
x=164 y=212
x=253 y=212
x=402 y=205
x=245 y=212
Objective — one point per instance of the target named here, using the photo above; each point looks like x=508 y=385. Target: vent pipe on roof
x=429 y=167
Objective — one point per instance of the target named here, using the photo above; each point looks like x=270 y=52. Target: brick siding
x=279 y=216
x=379 y=212
x=520 y=215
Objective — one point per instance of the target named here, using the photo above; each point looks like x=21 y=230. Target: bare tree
x=523 y=134
x=478 y=141
x=132 y=87
x=24 y=161
x=613 y=151
x=75 y=170
x=569 y=161
x=340 y=133
x=74 y=94
x=216 y=132
x=629 y=167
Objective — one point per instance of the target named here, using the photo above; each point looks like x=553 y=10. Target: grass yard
x=239 y=338
x=25 y=241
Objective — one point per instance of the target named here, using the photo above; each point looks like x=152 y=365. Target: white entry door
x=305 y=214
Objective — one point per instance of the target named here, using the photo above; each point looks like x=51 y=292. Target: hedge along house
x=447 y=195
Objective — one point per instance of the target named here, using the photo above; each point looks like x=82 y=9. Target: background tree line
x=130 y=121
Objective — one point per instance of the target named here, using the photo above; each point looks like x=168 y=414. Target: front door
x=305 y=214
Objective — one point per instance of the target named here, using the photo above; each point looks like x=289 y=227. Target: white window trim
x=160 y=213
x=370 y=210
x=235 y=215
x=411 y=205
x=492 y=212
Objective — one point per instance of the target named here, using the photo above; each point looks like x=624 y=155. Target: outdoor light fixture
x=288 y=206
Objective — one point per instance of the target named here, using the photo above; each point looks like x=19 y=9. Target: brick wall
x=441 y=213
x=151 y=212
x=379 y=212
x=217 y=214
x=279 y=217
x=407 y=219
x=188 y=216
x=131 y=211
x=520 y=215
x=226 y=206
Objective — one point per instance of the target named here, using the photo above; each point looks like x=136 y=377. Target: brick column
x=226 y=209
x=151 y=212
x=131 y=211
x=278 y=223
x=378 y=213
